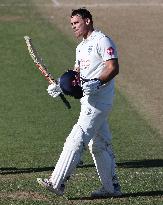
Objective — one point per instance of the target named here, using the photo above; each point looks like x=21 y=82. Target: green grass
x=33 y=126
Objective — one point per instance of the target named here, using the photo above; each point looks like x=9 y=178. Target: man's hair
x=83 y=12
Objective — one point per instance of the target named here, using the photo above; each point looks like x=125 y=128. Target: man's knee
x=96 y=147
x=75 y=140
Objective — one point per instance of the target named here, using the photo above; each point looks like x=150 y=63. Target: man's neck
x=88 y=33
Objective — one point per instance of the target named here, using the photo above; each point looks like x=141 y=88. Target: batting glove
x=54 y=90
x=91 y=86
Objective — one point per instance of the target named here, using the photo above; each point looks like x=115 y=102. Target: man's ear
x=87 y=21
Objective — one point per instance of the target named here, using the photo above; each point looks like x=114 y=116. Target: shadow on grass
x=125 y=195
x=141 y=163
x=126 y=164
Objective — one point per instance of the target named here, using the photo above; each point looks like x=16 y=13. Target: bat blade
x=42 y=67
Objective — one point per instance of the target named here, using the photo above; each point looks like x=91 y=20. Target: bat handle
x=65 y=101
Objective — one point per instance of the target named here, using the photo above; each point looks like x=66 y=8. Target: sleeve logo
x=110 y=51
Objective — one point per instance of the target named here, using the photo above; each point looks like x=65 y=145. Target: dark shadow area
x=125 y=195
x=126 y=164
x=147 y=163
x=14 y=170
x=141 y=163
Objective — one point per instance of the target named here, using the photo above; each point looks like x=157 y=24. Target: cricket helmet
x=70 y=84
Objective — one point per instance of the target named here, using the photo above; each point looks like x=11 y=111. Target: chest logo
x=90 y=49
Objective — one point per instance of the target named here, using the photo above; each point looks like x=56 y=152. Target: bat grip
x=65 y=101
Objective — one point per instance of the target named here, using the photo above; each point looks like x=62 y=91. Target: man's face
x=79 y=26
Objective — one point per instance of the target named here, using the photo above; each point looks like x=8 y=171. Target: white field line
x=102 y=5
x=94 y=5
x=56 y=3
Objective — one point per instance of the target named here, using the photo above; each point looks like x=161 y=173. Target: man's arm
x=110 y=70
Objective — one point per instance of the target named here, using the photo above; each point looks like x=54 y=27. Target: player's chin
x=78 y=34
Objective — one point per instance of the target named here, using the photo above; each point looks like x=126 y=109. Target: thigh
x=101 y=139
x=93 y=118
x=104 y=133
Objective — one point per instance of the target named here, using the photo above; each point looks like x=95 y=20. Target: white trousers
x=91 y=129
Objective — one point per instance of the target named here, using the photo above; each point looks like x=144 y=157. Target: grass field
x=33 y=126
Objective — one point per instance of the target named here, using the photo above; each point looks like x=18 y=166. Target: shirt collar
x=93 y=34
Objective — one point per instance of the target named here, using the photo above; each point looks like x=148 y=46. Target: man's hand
x=91 y=86
x=54 y=90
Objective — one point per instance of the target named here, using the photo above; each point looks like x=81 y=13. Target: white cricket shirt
x=91 y=54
